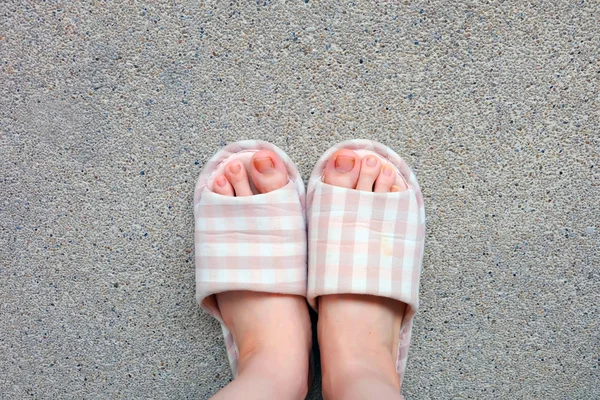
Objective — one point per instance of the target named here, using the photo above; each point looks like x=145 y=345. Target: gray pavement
x=108 y=111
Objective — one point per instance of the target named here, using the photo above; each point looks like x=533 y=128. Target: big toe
x=268 y=171
x=342 y=169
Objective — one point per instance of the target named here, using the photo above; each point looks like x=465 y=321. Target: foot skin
x=272 y=331
x=358 y=334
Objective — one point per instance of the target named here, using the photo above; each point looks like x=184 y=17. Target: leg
x=358 y=334
x=358 y=337
x=272 y=331
x=273 y=335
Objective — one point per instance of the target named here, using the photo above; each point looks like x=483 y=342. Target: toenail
x=387 y=170
x=235 y=168
x=344 y=163
x=395 y=188
x=371 y=161
x=221 y=181
x=263 y=164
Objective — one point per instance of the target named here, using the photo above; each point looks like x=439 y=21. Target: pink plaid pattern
x=367 y=243
x=255 y=243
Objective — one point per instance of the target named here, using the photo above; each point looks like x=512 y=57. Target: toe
x=268 y=171
x=237 y=175
x=369 y=171
x=343 y=169
x=386 y=179
x=222 y=186
x=398 y=188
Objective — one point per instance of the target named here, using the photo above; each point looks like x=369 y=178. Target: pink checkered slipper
x=255 y=243
x=367 y=243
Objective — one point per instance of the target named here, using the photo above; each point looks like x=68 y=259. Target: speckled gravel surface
x=108 y=111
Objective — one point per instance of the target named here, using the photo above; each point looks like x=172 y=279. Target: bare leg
x=358 y=336
x=274 y=338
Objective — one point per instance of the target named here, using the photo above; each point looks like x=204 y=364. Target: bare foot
x=358 y=334
x=272 y=331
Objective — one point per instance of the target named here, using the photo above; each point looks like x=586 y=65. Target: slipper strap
x=255 y=243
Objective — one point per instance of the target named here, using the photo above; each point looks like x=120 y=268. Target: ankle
x=351 y=372
x=283 y=373
x=359 y=386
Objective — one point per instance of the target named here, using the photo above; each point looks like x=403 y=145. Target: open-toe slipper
x=255 y=243
x=367 y=243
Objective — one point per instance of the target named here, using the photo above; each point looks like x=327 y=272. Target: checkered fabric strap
x=255 y=243
x=367 y=243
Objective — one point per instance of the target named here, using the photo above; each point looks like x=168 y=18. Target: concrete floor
x=108 y=111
